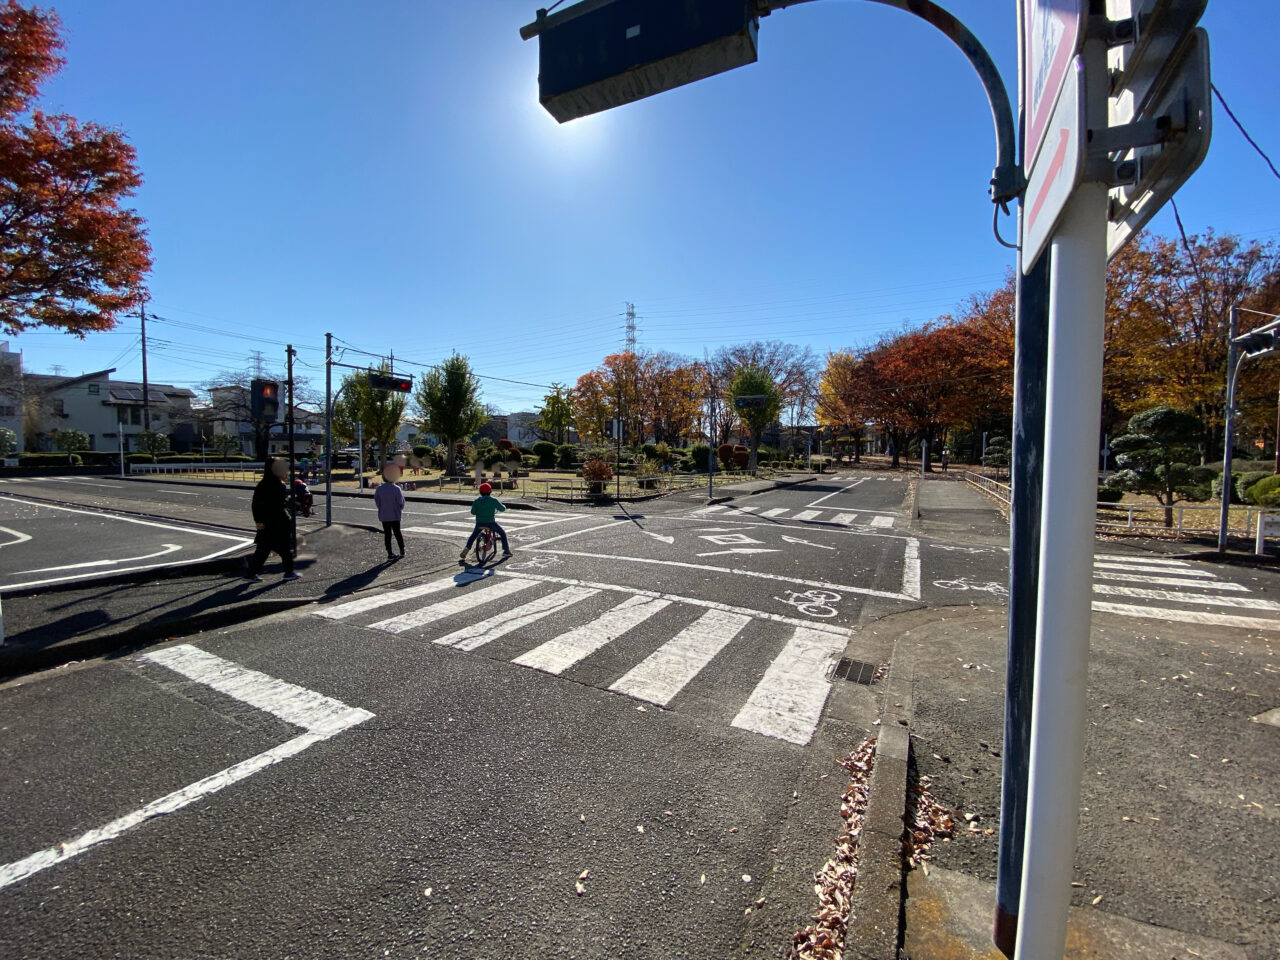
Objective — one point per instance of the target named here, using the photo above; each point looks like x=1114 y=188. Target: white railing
x=1187 y=518
x=219 y=471
x=1001 y=491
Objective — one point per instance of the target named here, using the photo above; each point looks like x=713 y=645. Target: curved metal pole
x=1007 y=182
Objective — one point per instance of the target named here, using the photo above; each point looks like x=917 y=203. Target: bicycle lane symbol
x=812 y=603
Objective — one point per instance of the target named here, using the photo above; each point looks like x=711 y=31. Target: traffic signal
x=264 y=399
x=390 y=381
x=755 y=402
x=1258 y=343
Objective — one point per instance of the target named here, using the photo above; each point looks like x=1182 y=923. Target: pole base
x=1005 y=933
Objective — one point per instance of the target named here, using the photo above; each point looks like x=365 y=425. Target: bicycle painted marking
x=813 y=603
x=964 y=583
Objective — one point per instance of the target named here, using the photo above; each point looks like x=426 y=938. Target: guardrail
x=219 y=471
x=1145 y=516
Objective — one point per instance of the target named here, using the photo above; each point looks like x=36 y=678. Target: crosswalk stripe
x=1186 y=616
x=558 y=655
x=447 y=608
x=476 y=635
x=714 y=508
x=1125 y=558
x=1171 y=581
x=1146 y=568
x=787 y=703
x=349 y=609
x=1143 y=594
x=748 y=509
x=438 y=531
x=806 y=514
x=665 y=672
x=846 y=518
x=775 y=512
x=882 y=521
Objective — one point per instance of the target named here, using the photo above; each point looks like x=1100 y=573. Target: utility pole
x=617 y=441
x=146 y=391
x=711 y=437
x=1229 y=432
x=328 y=429
x=293 y=500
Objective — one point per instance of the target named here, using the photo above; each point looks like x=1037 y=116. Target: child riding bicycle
x=485 y=508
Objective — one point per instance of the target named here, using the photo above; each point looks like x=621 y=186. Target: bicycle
x=486 y=546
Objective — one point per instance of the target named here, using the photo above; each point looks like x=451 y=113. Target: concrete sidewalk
x=956 y=510
x=1180 y=799
x=49 y=626
x=749 y=488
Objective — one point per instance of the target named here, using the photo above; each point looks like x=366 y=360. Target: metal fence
x=1187 y=518
x=212 y=471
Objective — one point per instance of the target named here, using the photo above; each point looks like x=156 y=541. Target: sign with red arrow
x=1058 y=169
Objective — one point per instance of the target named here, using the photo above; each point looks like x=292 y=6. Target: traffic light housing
x=264 y=399
x=748 y=403
x=390 y=381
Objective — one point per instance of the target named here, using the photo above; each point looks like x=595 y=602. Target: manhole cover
x=856 y=671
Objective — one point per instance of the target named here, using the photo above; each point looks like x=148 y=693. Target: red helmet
x=485 y=488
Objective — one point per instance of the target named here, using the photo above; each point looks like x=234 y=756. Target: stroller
x=302 y=497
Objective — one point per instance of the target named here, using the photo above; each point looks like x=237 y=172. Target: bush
x=1244 y=481
x=423 y=452
x=142 y=458
x=741 y=457
x=504 y=445
x=1263 y=493
x=596 y=471
x=49 y=459
x=724 y=453
x=649 y=451
x=699 y=454
x=545 y=451
x=1110 y=495
x=566 y=454
x=492 y=458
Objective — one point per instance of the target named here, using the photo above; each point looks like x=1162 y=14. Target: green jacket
x=486 y=508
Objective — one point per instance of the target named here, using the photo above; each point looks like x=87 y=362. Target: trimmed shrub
x=649 y=451
x=566 y=454
x=49 y=460
x=724 y=453
x=504 y=444
x=140 y=458
x=1265 y=492
x=741 y=457
x=545 y=451
x=1242 y=482
x=1109 y=495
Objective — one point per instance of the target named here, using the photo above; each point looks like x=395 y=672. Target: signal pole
x=328 y=429
x=293 y=500
x=146 y=392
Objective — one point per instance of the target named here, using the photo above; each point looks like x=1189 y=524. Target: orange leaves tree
x=70 y=256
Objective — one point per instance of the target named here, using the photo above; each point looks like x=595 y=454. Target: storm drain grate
x=854 y=671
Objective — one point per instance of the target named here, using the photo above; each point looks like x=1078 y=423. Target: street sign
x=1178 y=97
x=1058 y=171
x=1054 y=35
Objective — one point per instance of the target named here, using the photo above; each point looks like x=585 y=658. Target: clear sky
x=384 y=172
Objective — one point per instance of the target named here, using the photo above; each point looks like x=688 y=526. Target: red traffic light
x=385 y=381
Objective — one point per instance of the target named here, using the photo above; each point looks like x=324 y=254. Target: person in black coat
x=271 y=516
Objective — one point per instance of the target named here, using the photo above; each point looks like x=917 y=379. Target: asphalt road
x=636 y=703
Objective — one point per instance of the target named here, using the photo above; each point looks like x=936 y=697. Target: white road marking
x=775 y=512
x=882 y=521
x=911 y=569
x=807 y=543
x=18 y=537
x=1147 y=568
x=558 y=655
x=787 y=702
x=438 y=531
x=749 y=509
x=658 y=536
x=847 y=518
x=447 y=608
x=666 y=671
x=807 y=514
x=694 y=601
x=865 y=591
x=1185 y=616
x=101 y=514
x=711 y=509
x=476 y=635
x=168 y=549
x=579 y=533
x=1175 y=582
x=321 y=717
x=721 y=553
x=349 y=609
x=1127 y=558
x=84 y=483
x=837 y=493
x=1141 y=594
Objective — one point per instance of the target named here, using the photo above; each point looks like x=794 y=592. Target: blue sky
x=385 y=172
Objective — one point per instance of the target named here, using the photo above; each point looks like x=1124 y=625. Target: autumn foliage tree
x=70 y=256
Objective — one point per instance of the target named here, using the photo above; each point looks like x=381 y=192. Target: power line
x=1240 y=126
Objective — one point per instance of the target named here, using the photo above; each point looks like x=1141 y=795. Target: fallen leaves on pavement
x=824 y=938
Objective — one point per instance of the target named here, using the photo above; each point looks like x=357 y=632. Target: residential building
x=11 y=392
x=111 y=412
x=229 y=414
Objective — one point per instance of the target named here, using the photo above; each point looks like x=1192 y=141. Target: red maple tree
x=70 y=256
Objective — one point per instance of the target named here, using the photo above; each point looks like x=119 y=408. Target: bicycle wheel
x=486 y=548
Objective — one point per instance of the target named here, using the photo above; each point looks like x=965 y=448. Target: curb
x=876 y=908
x=15 y=663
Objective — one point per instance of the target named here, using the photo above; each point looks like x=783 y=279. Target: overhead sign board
x=1054 y=33
x=1058 y=170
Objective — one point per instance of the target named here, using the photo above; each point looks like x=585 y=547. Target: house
x=111 y=412
x=11 y=392
x=229 y=414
